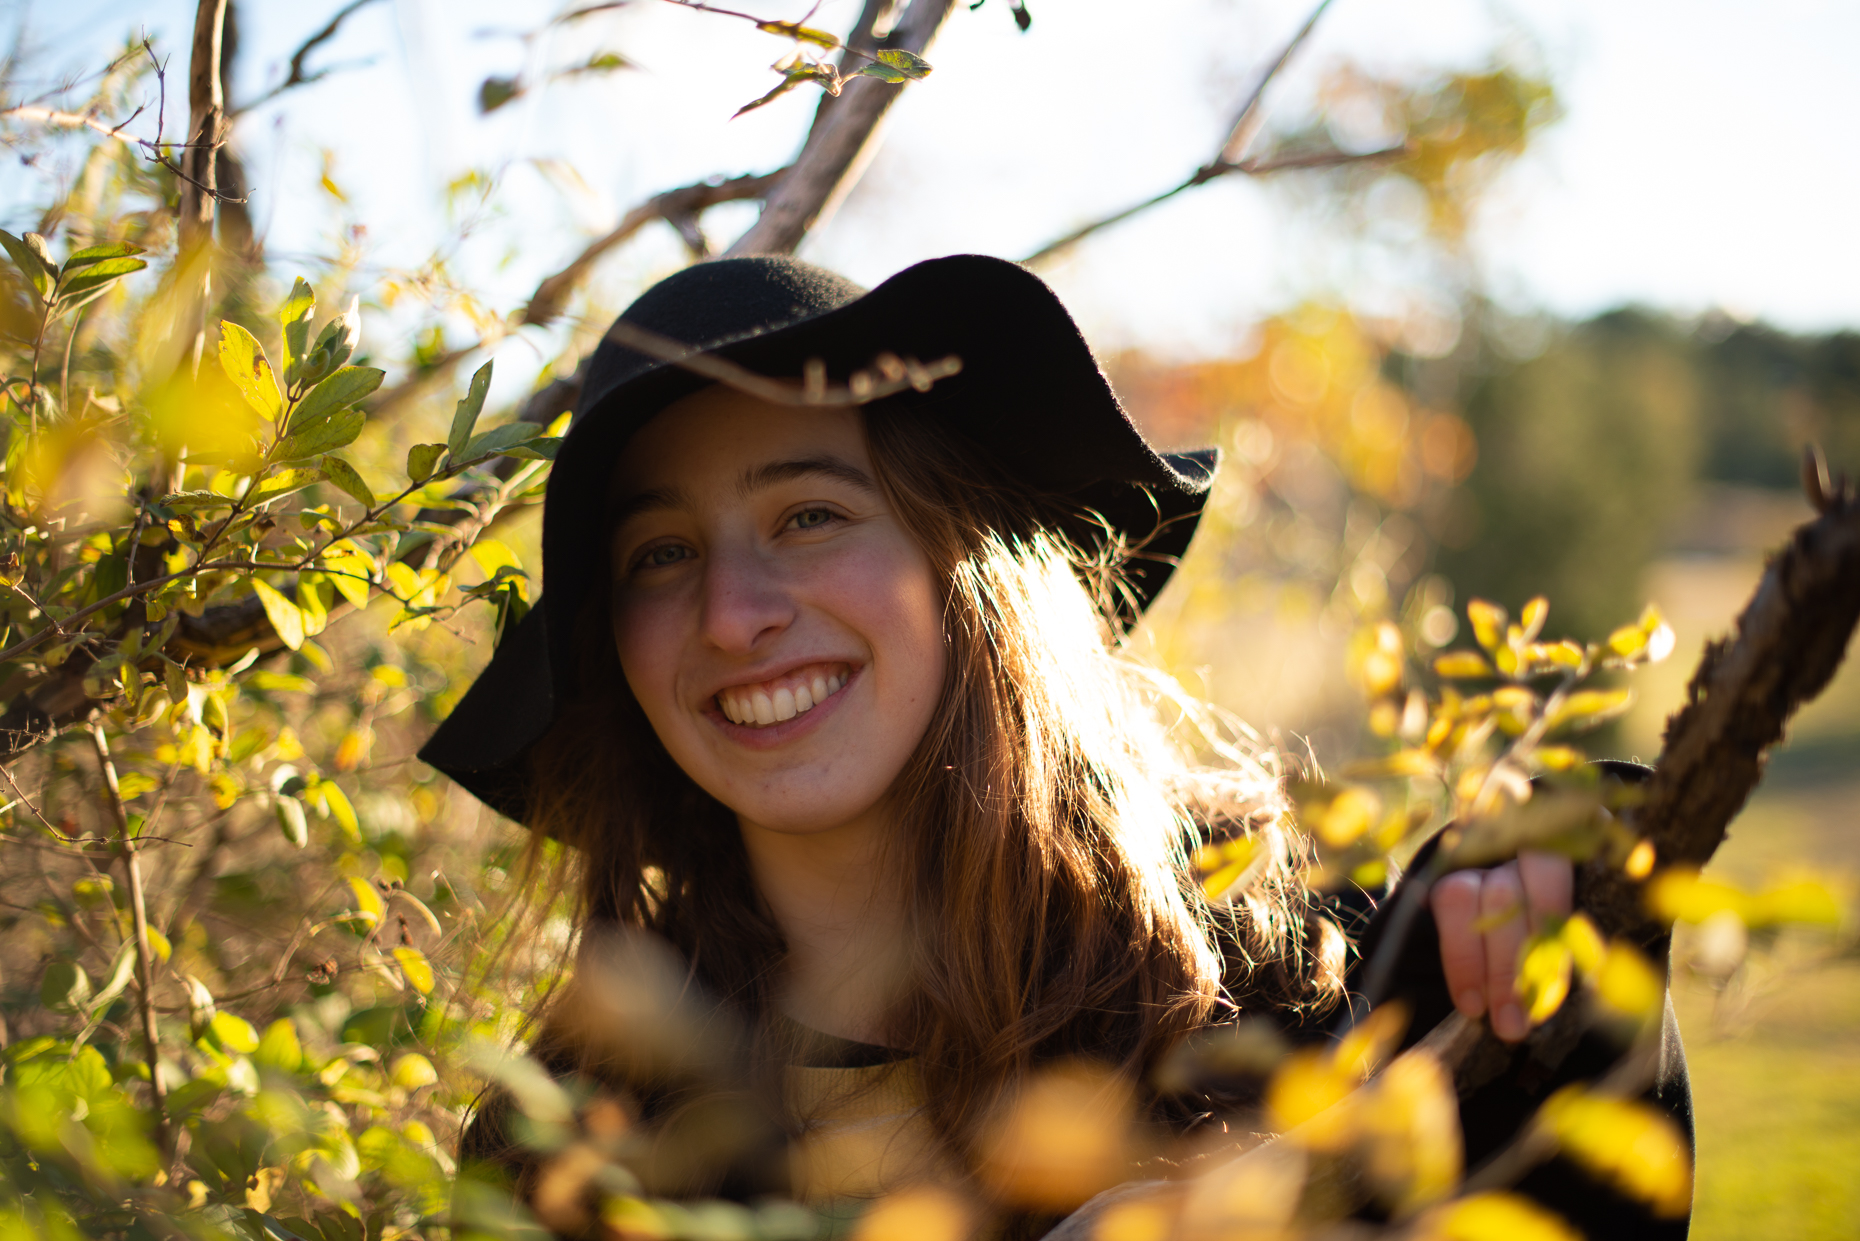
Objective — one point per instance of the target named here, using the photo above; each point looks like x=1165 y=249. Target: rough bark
x=837 y=149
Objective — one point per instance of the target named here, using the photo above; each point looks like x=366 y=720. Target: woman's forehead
x=723 y=438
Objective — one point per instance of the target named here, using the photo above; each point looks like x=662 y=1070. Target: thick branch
x=838 y=148
x=1790 y=640
x=206 y=117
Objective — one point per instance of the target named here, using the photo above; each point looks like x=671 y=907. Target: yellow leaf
x=1640 y=861
x=280 y=1047
x=1635 y=1146
x=1558 y=757
x=1590 y=706
x=492 y=555
x=413 y=1071
x=1532 y=618
x=1627 y=983
x=1628 y=641
x=1462 y=664
x=1543 y=977
x=1494 y=1217
x=1680 y=895
x=1488 y=622
x=243 y=360
x=1586 y=945
x=920 y=1214
x=1063 y=1138
x=418 y=970
x=340 y=807
x=1411 y=1123
x=235 y=1034
x=1803 y=901
x=368 y=901
x=287 y=619
x=1349 y=816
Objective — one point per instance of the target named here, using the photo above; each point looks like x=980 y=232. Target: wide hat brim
x=1029 y=393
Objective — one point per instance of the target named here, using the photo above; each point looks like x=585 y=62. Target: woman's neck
x=839 y=909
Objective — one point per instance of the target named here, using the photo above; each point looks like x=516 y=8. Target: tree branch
x=206 y=118
x=297 y=76
x=838 y=148
x=679 y=208
x=1229 y=158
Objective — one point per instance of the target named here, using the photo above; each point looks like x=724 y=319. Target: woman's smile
x=781 y=698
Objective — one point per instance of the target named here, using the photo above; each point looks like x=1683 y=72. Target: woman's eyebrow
x=656 y=499
x=774 y=472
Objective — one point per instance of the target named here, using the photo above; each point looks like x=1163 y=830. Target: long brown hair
x=1045 y=827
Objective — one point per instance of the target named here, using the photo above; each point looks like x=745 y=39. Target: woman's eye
x=659 y=557
x=811 y=519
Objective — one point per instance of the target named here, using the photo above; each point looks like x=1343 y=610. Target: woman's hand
x=1509 y=902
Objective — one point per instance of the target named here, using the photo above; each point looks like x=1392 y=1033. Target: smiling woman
x=830 y=706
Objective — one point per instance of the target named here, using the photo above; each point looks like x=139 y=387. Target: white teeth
x=758 y=707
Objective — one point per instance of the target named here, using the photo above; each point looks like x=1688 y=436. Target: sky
x=1706 y=158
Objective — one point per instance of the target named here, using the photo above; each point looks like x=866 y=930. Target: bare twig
x=888 y=374
x=1230 y=158
x=297 y=77
x=679 y=208
x=838 y=147
x=145 y=956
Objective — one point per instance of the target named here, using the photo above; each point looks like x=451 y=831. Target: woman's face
x=779 y=627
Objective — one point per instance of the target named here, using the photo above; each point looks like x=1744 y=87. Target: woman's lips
x=781 y=698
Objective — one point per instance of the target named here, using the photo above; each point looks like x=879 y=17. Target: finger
x=1455 y=901
x=1549 y=886
x=1501 y=909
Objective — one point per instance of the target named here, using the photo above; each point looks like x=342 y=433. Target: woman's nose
x=744 y=603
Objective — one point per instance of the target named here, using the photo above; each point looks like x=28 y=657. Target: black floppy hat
x=1029 y=394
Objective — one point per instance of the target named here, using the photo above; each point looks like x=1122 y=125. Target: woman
x=828 y=700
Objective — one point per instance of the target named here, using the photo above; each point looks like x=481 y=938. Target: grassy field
x=1775 y=1060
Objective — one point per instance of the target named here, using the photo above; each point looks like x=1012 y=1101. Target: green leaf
x=339 y=391
x=342 y=809
x=280 y=1047
x=466 y=416
x=286 y=617
x=422 y=460
x=339 y=336
x=104 y=271
x=65 y=987
x=243 y=360
x=543 y=449
x=93 y=254
x=910 y=64
x=283 y=483
x=196 y=500
x=294 y=315
x=24 y=257
x=496 y=92
x=235 y=1034
x=291 y=820
x=496 y=440
x=337 y=431
x=343 y=474
x=799 y=33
